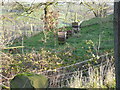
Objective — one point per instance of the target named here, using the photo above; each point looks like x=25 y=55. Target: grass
x=100 y=77
x=101 y=33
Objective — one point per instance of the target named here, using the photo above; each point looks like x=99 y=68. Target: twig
x=5 y=77
x=6 y=87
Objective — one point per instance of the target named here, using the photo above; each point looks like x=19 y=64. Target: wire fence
x=82 y=63
x=63 y=79
x=61 y=75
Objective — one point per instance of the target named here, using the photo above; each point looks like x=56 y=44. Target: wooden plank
x=13 y=47
x=117 y=42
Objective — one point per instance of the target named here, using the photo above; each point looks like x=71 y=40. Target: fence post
x=117 y=42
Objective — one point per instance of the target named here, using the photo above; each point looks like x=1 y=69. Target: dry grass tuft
x=100 y=77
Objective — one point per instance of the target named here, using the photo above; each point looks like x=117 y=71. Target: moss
x=29 y=80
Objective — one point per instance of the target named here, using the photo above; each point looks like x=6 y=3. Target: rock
x=29 y=81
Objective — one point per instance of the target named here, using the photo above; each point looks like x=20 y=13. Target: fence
x=80 y=63
x=61 y=75
x=61 y=79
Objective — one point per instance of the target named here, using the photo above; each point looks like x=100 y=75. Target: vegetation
x=29 y=47
x=98 y=36
x=97 y=78
x=99 y=10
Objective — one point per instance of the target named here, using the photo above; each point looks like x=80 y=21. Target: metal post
x=117 y=42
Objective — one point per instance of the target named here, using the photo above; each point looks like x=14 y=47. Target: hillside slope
x=92 y=39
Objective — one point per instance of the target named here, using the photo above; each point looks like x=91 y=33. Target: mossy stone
x=29 y=81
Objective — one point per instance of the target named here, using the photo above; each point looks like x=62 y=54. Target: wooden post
x=75 y=27
x=62 y=37
x=117 y=42
x=31 y=29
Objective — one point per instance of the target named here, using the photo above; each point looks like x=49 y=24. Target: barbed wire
x=82 y=62
x=63 y=79
x=80 y=70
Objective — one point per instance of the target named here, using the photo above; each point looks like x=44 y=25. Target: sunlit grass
x=100 y=77
x=77 y=41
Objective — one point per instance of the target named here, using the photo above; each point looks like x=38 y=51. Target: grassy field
x=95 y=39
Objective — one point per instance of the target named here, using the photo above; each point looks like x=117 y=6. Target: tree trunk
x=117 y=42
x=45 y=17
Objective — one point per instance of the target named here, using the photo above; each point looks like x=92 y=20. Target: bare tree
x=99 y=9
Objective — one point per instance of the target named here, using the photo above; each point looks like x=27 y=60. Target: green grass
x=78 y=41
